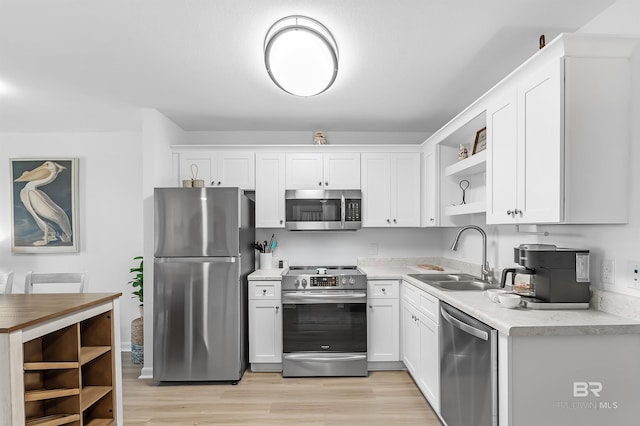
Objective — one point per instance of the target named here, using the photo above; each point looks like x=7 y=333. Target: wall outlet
x=608 y=271
x=634 y=270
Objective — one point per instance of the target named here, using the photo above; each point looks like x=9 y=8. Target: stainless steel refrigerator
x=203 y=254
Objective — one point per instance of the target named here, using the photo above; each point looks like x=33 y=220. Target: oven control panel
x=324 y=281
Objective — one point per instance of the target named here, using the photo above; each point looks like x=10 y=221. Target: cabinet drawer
x=264 y=290
x=410 y=293
x=429 y=306
x=383 y=289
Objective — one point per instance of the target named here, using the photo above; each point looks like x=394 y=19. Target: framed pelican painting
x=45 y=205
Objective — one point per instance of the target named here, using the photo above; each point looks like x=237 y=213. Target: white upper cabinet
x=219 y=169
x=430 y=199
x=323 y=171
x=391 y=189
x=270 y=187
x=549 y=137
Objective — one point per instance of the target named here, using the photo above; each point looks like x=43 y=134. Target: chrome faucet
x=485 y=272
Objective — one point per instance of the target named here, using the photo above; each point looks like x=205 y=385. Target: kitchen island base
x=586 y=380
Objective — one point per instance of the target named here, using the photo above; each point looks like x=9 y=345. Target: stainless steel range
x=324 y=322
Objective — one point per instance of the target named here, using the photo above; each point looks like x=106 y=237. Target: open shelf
x=469 y=166
x=41 y=394
x=92 y=394
x=89 y=353
x=55 y=365
x=68 y=375
x=53 y=420
x=100 y=422
x=469 y=208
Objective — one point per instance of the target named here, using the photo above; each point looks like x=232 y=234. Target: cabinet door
x=383 y=338
x=410 y=339
x=304 y=171
x=198 y=165
x=541 y=142
x=376 y=190
x=429 y=376
x=341 y=171
x=265 y=331
x=405 y=190
x=235 y=169
x=430 y=194
x=502 y=155
x=270 y=190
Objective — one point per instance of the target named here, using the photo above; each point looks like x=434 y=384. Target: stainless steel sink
x=462 y=285
x=443 y=277
x=457 y=282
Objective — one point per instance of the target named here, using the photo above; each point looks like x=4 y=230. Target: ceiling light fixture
x=301 y=56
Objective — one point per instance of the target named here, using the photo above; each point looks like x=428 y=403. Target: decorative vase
x=137 y=338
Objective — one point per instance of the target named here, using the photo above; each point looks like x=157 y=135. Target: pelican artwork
x=50 y=218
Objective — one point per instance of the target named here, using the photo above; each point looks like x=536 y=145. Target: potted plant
x=137 y=325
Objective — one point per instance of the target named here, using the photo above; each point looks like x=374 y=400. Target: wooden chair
x=57 y=282
x=6 y=282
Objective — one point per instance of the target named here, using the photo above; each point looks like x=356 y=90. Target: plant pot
x=137 y=338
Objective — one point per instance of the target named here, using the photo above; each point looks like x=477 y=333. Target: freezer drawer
x=199 y=322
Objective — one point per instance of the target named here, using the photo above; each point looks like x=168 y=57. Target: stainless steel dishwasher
x=468 y=369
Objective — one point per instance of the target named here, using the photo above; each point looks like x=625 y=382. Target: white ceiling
x=405 y=65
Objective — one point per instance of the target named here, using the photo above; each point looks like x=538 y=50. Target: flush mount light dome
x=301 y=56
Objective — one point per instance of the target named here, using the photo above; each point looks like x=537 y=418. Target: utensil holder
x=266 y=261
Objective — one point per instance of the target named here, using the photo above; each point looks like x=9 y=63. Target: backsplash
x=615 y=303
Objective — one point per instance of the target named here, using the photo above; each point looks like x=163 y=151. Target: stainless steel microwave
x=318 y=210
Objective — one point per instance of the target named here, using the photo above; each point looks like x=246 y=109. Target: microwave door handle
x=342 y=210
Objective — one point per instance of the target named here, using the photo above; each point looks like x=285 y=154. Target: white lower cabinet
x=420 y=344
x=265 y=326
x=383 y=321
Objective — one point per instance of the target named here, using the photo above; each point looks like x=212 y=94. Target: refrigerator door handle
x=196 y=259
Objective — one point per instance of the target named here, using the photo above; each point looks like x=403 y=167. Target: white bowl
x=509 y=300
x=492 y=293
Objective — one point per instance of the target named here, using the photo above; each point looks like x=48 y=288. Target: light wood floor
x=383 y=398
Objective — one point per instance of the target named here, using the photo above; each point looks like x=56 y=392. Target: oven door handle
x=480 y=334
x=324 y=298
x=327 y=358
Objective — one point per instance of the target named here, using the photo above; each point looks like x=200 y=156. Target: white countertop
x=514 y=322
x=274 y=274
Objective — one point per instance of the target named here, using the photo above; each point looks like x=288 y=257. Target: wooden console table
x=60 y=359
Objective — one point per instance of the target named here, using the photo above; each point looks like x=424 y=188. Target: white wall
x=616 y=242
x=159 y=169
x=302 y=138
x=110 y=208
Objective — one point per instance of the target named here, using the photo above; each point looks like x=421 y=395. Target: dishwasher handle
x=480 y=334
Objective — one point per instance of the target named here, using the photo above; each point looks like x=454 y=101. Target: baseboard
x=125 y=346
x=386 y=366
x=146 y=373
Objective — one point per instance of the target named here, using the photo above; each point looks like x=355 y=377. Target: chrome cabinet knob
x=509 y=212
x=281 y=221
x=264 y=291
x=395 y=221
x=370 y=306
x=432 y=219
x=516 y=211
x=326 y=184
x=319 y=183
x=277 y=307
x=388 y=221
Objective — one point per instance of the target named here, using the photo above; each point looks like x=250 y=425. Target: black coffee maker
x=558 y=277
